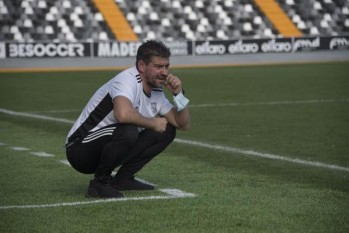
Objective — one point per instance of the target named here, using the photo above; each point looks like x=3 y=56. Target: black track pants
x=126 y=148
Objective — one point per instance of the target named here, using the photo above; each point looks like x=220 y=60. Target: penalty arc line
x=203 y=145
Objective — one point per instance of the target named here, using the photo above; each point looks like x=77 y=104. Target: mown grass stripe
x=233 y=104
x=262 y=155
x=205 y=145
x=286 y=102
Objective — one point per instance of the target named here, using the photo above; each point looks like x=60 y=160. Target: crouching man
x=127 y=122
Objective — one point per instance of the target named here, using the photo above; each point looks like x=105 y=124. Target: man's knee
x=170 y=132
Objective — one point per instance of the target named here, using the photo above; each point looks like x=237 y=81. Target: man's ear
x=141 y=66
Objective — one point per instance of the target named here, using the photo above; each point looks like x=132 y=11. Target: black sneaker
x=130 y=184
x=102 y=190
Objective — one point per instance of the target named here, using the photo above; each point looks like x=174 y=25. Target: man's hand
x=160 y=124
x=174 y=84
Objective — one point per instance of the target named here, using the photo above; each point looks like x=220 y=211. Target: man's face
x=156 y=71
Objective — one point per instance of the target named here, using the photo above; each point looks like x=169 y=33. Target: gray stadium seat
x=318 y=17
x=79 y=20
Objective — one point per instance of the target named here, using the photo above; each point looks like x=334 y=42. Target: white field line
x=37 y=153
x=42 y=154
x=177 y=193
x=169 y=194
x=36 y=116
x=286 y=102
x=65 y=162
x=206 y=145
x=58 y=111
x=262 y=155
x=18 y=148
x=270 y=103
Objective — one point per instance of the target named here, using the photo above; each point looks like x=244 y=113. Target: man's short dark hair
x=152 y=48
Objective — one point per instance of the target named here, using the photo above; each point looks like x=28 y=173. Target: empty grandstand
x=169 y=20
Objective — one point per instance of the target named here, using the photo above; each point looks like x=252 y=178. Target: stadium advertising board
x=2 y=50
x=335 y=43
x=129 y=49
x=243 y=46
x=278 y=45
x=180 y=47
x=306 y=44
x=321 y=43
x=37 y=50
x=115 y=49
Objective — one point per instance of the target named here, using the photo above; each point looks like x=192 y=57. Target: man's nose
x=164 y=71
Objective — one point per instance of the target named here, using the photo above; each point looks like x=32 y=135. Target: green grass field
x=268 y=151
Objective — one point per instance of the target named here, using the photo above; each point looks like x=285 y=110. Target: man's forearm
x=134 y=117
x=183 y=119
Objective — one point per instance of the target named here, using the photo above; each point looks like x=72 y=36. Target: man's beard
x=153 y=82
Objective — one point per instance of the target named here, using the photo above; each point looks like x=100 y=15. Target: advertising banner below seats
x=249 y=46
x=44 y=50
x=178 y=47
x=129 y=49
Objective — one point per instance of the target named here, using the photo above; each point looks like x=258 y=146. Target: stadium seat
x=64 y=20
x=318 y=17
